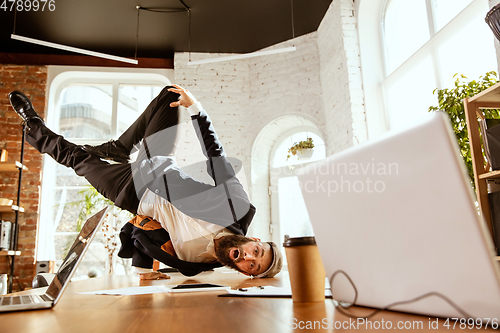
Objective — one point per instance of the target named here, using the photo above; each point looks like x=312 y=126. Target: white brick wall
x=223 y=89
x=340 y=74
x=319 y=84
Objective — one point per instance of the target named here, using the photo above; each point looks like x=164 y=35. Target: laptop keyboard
x=24 y=299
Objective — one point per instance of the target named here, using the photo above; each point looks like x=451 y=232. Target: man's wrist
x=195 y=108
x=140 y=270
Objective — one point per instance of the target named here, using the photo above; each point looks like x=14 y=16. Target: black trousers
x=114 y=181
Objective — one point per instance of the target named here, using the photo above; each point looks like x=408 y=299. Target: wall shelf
x=474 y=106
x=10 y=253
x=11 y=166
x=11 y=208
x=19 y=167
x=490 y=175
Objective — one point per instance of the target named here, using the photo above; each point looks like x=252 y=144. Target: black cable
x=185 y=6
x=15 y=15
x=15 y=277
x=137 y=31
x=162 y=10
x=293 y=24
x=166 y=10
x=339 y=307
x=189 y=27
x=189 y=34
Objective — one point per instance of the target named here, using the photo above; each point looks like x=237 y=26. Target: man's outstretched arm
x=218 y=166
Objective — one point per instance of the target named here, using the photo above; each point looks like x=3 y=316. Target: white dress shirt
x=192 y=239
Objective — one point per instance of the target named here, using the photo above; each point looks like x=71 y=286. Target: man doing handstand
x=182 y=222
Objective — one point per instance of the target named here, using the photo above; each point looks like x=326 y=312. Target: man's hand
x=186 y=100
x=154 y=276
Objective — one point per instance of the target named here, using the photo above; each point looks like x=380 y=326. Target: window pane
x=65 y=212
x=473 y=58
x=67 y=177
x=410 y=97
x=406 y=29
x=66 y=215
x=446 y=10
x=85 y=111
x=280 y=157
x=294 y=218
x=132 y=101
x=92 y=264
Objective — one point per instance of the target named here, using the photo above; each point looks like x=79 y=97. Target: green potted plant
x=451 y=102
x=90 y=202
x=303 y=150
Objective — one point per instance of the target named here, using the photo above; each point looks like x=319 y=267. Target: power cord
x=160 y=10
x=340 y=307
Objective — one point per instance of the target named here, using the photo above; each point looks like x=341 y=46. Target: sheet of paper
x=149 y=290
x=131 y=291
x=267 y=291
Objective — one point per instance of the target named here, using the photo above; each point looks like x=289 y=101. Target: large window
x=427 y=44
x=289 y=212
x=410 y=48
x=87 y=112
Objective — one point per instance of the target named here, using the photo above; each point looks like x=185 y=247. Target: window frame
x=59 y=78
x=275 y=227
x=376 y=79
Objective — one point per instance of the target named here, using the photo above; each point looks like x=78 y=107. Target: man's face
x=244 y=254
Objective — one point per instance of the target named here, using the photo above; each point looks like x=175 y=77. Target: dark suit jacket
x=225 y=204
x=143 y=245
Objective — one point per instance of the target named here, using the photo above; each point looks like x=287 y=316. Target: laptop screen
x=75 y=254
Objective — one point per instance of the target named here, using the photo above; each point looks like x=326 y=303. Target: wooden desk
x=190 y=312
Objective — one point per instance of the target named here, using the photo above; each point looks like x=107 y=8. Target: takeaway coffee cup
x=306 y=270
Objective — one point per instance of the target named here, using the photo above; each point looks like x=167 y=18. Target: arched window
x=288 y=210
x=410 y=48
x=269 y=164
x=86 y=108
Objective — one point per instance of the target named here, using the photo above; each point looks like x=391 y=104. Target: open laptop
x=63 y=275
x=398 y=216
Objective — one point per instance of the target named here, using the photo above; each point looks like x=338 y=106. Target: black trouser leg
x=157 y=123
x=114 y=181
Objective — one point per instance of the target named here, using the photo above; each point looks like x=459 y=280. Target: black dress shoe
x=112 y=150
x=23 y=107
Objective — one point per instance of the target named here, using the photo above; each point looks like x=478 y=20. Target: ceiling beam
x=79 y=60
